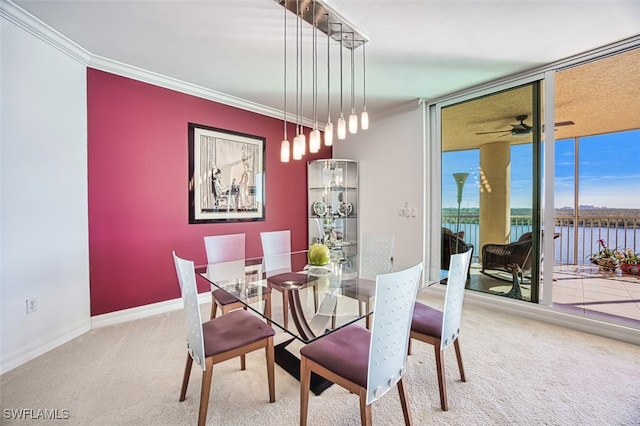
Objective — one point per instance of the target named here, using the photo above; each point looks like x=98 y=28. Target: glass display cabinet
x=333 y=205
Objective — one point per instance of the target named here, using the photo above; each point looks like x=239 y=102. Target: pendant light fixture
x=314 y=136
x=328 y=129
x=298 y=141
x=353 y=118
x=285 y=145
x=322 y=18
x=364 y=118
x=342 y=125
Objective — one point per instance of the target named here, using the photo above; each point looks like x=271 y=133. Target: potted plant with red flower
x=608 y=260
x=630 y=262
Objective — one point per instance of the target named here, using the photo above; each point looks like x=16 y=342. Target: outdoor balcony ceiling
x=599 y=97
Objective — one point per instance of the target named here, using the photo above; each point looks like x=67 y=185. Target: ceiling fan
x=522 y=128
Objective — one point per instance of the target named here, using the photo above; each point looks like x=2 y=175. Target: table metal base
x=291 y=364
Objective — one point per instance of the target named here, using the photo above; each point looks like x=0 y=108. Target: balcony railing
x=578 y=236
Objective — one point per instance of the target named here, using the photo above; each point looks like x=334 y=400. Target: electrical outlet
x=32 y=305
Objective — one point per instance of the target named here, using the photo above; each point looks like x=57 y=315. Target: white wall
x=43 y=181
x=390 y=156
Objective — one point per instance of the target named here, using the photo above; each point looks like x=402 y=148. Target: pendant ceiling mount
x=328 y=21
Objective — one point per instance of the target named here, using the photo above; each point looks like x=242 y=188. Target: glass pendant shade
x=314 y=141
x=342 y=128
x=364 y=120
x=284 y=151
x=328 y=134
x=303 y=144
x=353 y=123
x=297 y=148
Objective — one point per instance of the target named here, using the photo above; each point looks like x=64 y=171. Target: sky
x=609 y=170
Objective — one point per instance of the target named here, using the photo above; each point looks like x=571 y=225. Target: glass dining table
x=321 y=299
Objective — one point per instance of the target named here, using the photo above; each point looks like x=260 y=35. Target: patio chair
x=453 y=243
x=499 y=257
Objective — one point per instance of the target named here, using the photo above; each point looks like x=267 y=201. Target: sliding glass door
x=491 y=186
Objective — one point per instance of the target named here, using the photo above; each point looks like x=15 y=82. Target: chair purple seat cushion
x=426 y=320
x=360 y=287
x=344 y=352
x=225 y=298
x=236 y=329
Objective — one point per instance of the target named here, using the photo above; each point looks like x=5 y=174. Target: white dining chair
x=368 y=363
x=276 y=249
x=219 y=339
x=374 y=258
x=442 y=328
x=226 y=256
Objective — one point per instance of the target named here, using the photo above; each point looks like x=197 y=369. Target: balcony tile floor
x=582 y=290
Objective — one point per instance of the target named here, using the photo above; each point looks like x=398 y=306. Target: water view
x=602 y=170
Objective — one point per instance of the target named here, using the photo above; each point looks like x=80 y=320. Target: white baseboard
x=40 y=347
x=550 y=315
x=25 y=355
x=143 y=311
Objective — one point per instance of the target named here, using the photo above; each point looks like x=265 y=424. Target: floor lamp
x=460 y=179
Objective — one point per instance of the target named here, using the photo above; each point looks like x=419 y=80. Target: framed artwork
x=226 y=176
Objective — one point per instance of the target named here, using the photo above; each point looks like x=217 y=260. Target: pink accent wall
x=138 y=188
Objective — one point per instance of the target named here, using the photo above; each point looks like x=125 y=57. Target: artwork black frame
x=226 y=175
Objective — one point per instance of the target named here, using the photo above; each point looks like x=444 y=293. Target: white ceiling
x=417 y=48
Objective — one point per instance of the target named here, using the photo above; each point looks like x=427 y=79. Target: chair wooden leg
x=404 y=401
x=270 y=355
x=204 y=392
x=267 y=307
x=214 y=306
x=441 y=376
x=185 y=378
x=305 y=382
x=285 y=308
x=367 y=321
x=315 y=297
x=409 y=347
x=334 y=315
x=365 y=409
x=456 y=345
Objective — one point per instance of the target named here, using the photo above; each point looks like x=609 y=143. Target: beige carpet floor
x=519 y=372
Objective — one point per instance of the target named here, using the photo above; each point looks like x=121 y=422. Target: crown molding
x=139 y=74
x=18 y=16
x=398 y=109
x=13 y=13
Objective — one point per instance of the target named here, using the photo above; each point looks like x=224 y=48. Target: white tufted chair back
x=187 y=279
x=395 y=298
x=452 y=313
x=375 y=254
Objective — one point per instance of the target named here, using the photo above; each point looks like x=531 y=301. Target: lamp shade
x=364 y=120
x=284 y=151
x=342 y=128
x=460 y=179
x=314 y=141
x=353 y=123
x=297 y=148
x=328 y=134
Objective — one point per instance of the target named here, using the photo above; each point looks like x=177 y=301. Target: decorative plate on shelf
x=319 y=208
x=345 y=209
